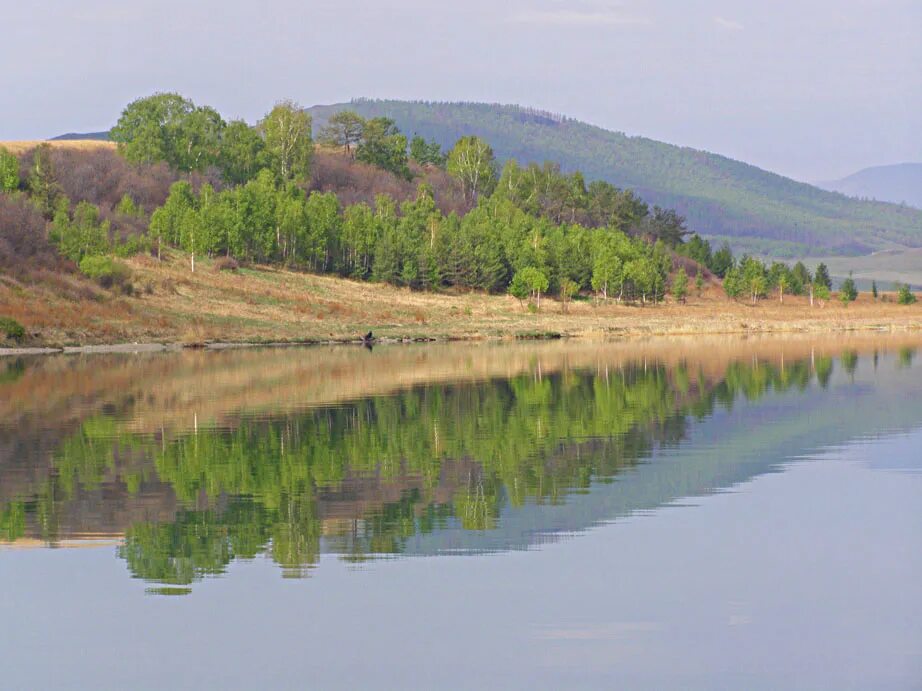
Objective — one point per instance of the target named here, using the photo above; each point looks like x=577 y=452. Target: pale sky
x=814 y=89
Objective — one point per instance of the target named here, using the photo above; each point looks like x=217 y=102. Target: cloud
x=728 y=24
x=570 y=17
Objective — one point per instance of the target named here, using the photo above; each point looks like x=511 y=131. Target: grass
x=261 y=304
x=22 y=146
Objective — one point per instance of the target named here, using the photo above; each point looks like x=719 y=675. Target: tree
x=722 y=261
x=343 y=130
x=607 y=266
x=168 y=127
x=784 y=283
x=83 y=236
x=287 y=133
x=874 y=289
x=801 y=278
x=905 y=296
x=167 y=222
x=43 y=183
x=820 y=291
x=665 y=225
x=384 y=146
x=568 y=289
x=472 y=162
x=733 y=283
x=242 y=153
x=680 y=285
x=426 y=153
x=529 y=282
x=821 y=276
x=9 y=171
x=848 y=292
x=699 y=283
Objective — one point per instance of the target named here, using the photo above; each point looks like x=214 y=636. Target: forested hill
x=754 y=209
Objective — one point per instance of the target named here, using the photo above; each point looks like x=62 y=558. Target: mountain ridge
x=898 y=183
x=756 y=210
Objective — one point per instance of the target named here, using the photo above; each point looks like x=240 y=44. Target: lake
x=705 y=513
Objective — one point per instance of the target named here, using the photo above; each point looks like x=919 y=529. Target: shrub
x=12 y=329
x=905 y=296
x=104 y=270
x=226 y=264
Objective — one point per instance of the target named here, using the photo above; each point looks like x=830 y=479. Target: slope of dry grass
x=261 y=304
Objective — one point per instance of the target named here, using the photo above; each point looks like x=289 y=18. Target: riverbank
x=170 y=306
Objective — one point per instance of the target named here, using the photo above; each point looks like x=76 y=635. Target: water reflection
x=195 y=461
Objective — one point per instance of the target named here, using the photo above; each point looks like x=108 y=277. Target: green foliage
x=821 y=291
x=168 y=127
x=9 y=171
x=874 y=293
x=104 y=270
x=242 y=153
x=289 y=146
x=529 y=282
x=680 y=285
x=83 y=234
x=426 y=153
x=848 y=292
x=344 y=130
x=905 y=295
x=43 y=185
x=722 y=261
x=384 y=146
x=718 y=196
x=11 y=329
x=472 y=162
x=821 y=276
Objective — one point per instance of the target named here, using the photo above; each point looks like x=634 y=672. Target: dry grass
x=261 y=304
x=22 y=146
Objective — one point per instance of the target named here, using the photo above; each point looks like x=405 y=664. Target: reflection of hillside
x=487 y=458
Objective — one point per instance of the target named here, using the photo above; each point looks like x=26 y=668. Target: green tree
x=680 y=285
x=426 y=153
x=529 y=282
x=384 y=146
x=905 y=295
x=343 y=130
x=874 y=289
x=568 y=289
x=848 y=292
x=821 y=276
x=82 y=236
x=722 y=261
x=287 y=133
x=166 y=223
x=168 y=127
x=9 y=171
x=472 y=162
x=43 y=182
x=242 y=153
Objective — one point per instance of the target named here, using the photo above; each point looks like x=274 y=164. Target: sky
x=813 y=89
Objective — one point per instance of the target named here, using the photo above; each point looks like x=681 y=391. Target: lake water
x=701 y=513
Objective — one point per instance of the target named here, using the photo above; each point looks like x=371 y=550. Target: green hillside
x=755 y=210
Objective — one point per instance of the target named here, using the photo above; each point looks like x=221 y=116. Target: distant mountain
x=754 y=209
x=899 y=183
x=78 y=136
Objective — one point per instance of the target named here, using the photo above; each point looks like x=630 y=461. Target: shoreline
x=794 y=327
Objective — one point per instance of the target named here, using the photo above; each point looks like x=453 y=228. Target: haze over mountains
x=723 y=199
x=898 y=183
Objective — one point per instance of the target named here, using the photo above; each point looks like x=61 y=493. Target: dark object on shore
x=368 y=338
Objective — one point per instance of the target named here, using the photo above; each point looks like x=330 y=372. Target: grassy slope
x=263 y=304
x=755 y=209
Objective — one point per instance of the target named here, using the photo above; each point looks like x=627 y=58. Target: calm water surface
x=709 y=513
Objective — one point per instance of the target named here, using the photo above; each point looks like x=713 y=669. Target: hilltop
x=753 y=209
x=898 y=183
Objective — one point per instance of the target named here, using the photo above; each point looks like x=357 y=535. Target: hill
x=79 y=136
x=754 y=209
x=899 y=183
